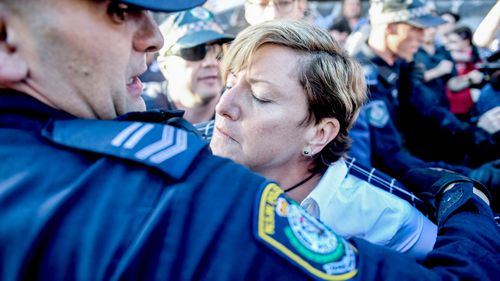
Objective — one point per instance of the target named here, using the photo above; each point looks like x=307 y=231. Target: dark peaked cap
x=165 y=5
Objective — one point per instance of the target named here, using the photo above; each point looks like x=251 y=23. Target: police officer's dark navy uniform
x=112 y=200
x=106 y=200
x=398 y=103
x=427 y=61
x=431 y=130
x=388 y=152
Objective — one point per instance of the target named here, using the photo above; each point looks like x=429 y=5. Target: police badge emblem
x=289 y=230
x=378 y=115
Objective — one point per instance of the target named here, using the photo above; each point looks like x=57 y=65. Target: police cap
x=191 y=28
x=413 y=12
x=165 y=5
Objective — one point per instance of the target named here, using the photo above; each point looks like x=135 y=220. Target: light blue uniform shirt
x=353 y=207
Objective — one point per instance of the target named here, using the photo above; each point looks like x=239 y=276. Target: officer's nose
x=147 y=37
x=420 y=35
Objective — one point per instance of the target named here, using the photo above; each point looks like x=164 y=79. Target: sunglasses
x=198 y=52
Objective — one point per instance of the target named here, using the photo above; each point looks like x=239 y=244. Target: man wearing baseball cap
x=395 y=36
x=86 y=196
x=190 y=61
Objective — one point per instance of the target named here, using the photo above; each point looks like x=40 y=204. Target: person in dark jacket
x=113 y=199
x=397 y=96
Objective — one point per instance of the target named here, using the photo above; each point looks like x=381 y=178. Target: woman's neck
x=292 y=177
x=300 y=192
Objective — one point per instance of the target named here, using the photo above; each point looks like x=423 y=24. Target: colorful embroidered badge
x=290 y=231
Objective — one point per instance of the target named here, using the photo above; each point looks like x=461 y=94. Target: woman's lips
x=223 y=133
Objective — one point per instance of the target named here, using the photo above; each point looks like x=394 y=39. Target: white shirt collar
x=326 y=188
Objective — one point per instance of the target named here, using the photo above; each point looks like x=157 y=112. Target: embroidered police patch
x=289 y=230
x=371 y=74
x=378 y=115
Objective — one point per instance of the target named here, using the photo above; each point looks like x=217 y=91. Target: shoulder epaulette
x=170 y=149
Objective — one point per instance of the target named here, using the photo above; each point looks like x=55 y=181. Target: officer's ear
x=13 y=68
x=392 y=28
x=323 y=133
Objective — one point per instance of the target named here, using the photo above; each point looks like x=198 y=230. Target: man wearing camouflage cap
x=190 y=61
x=89 y=199
x=397 y=28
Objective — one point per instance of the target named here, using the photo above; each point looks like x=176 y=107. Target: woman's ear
x=323 y=133
x=13 y=67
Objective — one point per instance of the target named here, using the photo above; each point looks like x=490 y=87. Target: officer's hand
x=445 y=67
x=429 y=184
x=475 y=77
x=418 y=72
x=490 y=120
x=489 y=175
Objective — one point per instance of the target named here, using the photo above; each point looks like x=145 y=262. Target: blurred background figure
x=257 y=11
x=466 y=57
x=403 y=116
x=437 y=65
x=351 y=10
x=153 y=73
x=450 y=23
x=340 y=30
x=189 y=60
x=487 y=34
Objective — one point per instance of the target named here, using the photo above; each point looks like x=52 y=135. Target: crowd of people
x=421 y=110
x=286 y=151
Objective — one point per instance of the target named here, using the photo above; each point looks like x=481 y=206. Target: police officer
x=88 y=199
x=396 y=34
x=190 y=61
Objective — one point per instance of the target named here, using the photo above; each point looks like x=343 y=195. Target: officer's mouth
x=134 y=86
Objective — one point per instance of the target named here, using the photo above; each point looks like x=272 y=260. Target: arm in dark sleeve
x=361 y=143
x=461 y=251
x=420 y=103
x=388 y=153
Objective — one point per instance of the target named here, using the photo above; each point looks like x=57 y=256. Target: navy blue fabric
x=71 y=211
x=387 y=144
x=432 y=132
x=429 y=61
x=489 y=98
x=360 y=134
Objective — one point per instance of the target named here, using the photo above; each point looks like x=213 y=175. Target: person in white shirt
x=291 y=96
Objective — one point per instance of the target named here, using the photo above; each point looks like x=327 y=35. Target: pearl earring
x=307 y=152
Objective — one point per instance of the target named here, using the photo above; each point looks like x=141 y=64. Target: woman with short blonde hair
x=291 y=96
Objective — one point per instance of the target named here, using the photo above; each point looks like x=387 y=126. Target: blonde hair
x=332 y=80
